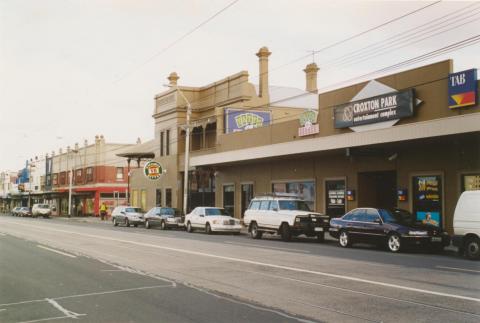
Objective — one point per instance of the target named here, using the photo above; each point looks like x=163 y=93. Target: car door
x=263 y=219
x=356 y=226
x=272 y=215
x=201 y=218
x=374 y=230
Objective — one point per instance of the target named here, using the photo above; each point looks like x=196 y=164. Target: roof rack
x=277 y=194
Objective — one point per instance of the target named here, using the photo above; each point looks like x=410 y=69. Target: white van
x=466 y=224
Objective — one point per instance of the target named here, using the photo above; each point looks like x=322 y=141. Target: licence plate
x=436 y=239
x=318 y=229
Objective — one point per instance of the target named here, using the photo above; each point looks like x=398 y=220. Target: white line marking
x=265 y=247
x=461 y=269
x=89 y=294
x=50 y=319
x=2 y=234
x=112 y=270
x=62 y=309
x=252 y=262
x=59 y=252
x=3 y=309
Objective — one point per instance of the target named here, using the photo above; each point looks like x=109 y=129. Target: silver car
x=165 y=217
x=127 y=215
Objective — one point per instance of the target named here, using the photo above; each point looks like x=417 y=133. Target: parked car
x=165 y=217
x=127 y=215
x=41 y=210
x=25 y=211
x=15 y=211
x=466 y=225
x=285 y=215
x=383 y=227
x=211 y=219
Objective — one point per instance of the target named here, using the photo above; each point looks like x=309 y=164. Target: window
x=294 y=205
x=273 y=205
x=143 y=201
x=229 y=199
x=247 y=195
x=470 y=182
x=119 y=173
x=255 y=205
x=168 y=197
x=89 y=172
x=63 y=177
x=161 y=143
x=264 y=205
x=134 y=197
x=214 y=211
x=304 y=190
x=55 y=179
x=167 y=143
x=371 y=216
x=158 y=197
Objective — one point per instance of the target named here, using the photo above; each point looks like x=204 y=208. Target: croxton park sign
x=390 y=106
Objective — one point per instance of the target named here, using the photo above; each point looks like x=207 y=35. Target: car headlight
x=417 y=233
x=297 y=219
x=226 y=222
x=215 y=222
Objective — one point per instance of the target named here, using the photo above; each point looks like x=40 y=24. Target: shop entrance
x=377 y=189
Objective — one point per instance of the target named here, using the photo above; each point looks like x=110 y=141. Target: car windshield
x=170 y=211
x=294 y=205
x=215 y=211
x=133 y=210
x=43 y=206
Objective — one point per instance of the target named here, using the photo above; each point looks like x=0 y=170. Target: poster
x=244 y=119
x=427 y=199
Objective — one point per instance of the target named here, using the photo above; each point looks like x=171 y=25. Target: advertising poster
x=462 y=89
x=335 y=197
x=243 y=119
x=427 y=203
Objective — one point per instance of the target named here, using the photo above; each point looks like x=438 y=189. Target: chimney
x=263 y=54
x=85 y=142
x=76 y=146
x=139 y=141
x=311 y=73
x=172 y=79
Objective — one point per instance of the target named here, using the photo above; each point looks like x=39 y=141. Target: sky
x=73 y=69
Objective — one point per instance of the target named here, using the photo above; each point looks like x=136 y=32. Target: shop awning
x=140 y=151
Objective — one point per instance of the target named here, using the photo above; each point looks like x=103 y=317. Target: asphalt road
x=220 y=278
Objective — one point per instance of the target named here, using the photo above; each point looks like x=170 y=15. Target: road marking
x=59 y=252
x=258 y=263
x=2 y=234
x=265 y=247
x=363 y=293
x=62 y=309
x=461 y=269
x=50 y=319
x=88 y=294
x=112 y=270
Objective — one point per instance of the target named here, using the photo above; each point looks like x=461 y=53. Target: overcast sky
x=71 y=69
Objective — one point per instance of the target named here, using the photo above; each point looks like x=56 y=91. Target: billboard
x=243 y=119
x=462 y=89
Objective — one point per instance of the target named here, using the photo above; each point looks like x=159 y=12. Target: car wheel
x=472 y=248
x=321 y=237
x=254 y=233
x=127 y=223
x=344 y=239
x=147 y=224
x=189 y=227
x=394 y=242
x=115 y=223
x=285 y=232
x=163 y=225
x=208 y=228
x=135 y=225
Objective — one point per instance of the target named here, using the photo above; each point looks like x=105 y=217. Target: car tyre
x=135 y=225
x=163 y=225
x=321 y=237
x=285 y=232
x=394 y=242
x=472 y=248
x=127 y=223
x=344 y=239
x=115 y=223
x=208 y=228
x=189 y=227
x=254 y=233
x=147 y=224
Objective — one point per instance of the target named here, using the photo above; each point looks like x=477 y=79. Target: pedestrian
x=103 y=211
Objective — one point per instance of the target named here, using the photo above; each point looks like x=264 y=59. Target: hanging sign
x=308 y=123
x=390 y=106
x=462 y=89
x=153 y=170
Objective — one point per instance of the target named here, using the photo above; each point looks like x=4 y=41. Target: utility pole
x=70 y=185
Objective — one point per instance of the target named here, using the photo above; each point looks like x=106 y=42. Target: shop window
x=168 y=197
x=119 y=173
x=247 y=195
x=143 y=201
x=427 y=199
x=304 y=190
x=229 y=199
x=158 y=197
x=471 y=182
x=89 y=173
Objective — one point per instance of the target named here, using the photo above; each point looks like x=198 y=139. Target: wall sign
x=153 y=170
x=402 y=195
x=462 y=89
x=335 y=197
x=390 y=106
x=350 y=195
x=427 y=199
x=239 y=119
x=308 y=123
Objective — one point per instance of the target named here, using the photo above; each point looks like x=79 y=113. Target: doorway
x=377 y=189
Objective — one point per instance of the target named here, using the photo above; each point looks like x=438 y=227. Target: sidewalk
x=85 y=219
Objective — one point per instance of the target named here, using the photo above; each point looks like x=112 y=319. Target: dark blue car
x=395 y=229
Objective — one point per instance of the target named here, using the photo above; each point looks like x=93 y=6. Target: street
x=61 y=270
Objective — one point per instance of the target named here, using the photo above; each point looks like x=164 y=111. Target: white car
x=127 y=215
x=284 y=215
x=211 y=219
x=41 y=210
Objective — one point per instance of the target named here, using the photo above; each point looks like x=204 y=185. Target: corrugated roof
x=291 y=97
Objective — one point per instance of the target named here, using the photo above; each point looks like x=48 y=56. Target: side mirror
x=377 y=221
x=201 y=215
x=122 y=212
x=275 y=209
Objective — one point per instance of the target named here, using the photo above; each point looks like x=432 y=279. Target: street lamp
x=70 y=185
x=187 y=147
